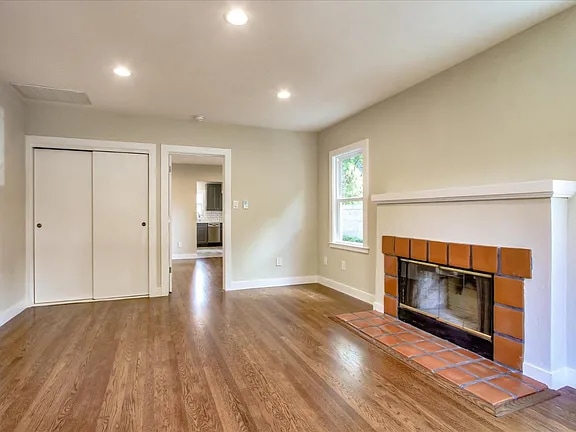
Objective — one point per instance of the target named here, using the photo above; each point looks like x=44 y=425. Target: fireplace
x=472 y=295
x=451 y=303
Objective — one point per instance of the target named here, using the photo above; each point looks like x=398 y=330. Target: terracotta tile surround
x=510 y=267
x=479 y=379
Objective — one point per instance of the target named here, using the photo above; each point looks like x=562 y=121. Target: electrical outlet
x=343 y=265
x=278 y=262
x=179 y=244
x=325 y=260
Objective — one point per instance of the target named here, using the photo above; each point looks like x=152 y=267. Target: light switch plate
x=325 y=260
x=343 y=265
x=235 y=205
x=245 y=205
x=278 y=262
x=179 y=244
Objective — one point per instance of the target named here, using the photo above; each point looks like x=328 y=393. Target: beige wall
x=183 y=213
x=276 y=171
x=504 y=115
x=12 y=207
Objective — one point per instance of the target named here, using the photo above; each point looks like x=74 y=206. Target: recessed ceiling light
x=122 y=71
x=236 y=17
x=283 y=94
x=198 y=118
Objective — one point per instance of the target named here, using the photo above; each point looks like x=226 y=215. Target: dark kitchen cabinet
x=214 y=197
x=202 y=234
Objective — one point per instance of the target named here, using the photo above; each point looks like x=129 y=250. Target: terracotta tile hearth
x=494 y=387
x=507 y=266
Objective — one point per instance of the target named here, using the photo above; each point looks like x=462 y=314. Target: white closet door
x=120 y=188
x=62 y=225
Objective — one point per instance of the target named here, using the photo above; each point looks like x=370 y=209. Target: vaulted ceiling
x=336 y=58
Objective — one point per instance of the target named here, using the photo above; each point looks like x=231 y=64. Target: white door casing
x=62 y=225
x=120 y=224
x=170 y=280
x=166 y=152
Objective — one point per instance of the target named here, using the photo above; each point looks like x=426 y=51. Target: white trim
x=362 y=145
x=191 y=256
x=272 y=283
x=537 y=373
x=554 y=379
x=186 y=256
x=35 y=305
x=349 y=247
x=33 y=141
x=165 y=152
x=378 y=307
x=346 y=289
x=303 y=280
x=506 y=191
x=569 y=378
x=12 y=311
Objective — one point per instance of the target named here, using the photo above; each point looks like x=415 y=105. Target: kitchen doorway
x=195 y=208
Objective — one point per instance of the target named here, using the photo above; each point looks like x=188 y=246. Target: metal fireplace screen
x=458 y=298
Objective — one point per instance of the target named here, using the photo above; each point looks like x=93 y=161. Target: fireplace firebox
x=454 y=304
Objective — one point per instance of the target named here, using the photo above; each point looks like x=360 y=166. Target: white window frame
x=334 y=242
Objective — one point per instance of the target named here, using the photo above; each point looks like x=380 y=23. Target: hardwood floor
x=204 y=360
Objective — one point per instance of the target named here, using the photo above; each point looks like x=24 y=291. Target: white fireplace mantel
x=535 y=215
x=505 y=191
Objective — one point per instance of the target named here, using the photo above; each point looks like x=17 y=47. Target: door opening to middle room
x=196 y=216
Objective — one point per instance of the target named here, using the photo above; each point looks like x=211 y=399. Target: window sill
x=350 y=247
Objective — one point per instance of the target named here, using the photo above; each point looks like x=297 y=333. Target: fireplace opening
x=451 y=303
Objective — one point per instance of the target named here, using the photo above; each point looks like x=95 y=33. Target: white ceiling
x=197 y=159
x=336 y=57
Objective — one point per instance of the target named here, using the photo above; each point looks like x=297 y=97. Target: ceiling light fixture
x=122 y=71
x=236 y=17
x=283 y=94
x=198 y=118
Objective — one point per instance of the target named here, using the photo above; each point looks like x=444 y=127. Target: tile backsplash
x=210 y=216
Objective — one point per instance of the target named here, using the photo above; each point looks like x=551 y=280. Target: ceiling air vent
x=49 y=94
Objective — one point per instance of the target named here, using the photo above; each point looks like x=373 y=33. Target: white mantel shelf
x=505 y=191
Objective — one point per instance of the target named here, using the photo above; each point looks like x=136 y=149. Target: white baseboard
x=302 y=280
x=537 y=373
x=158 y=293
x=184 y=256
x=570 y=378
x=275 y=282
x=12 y=311
x=346 y=289
x=378 y=307
x=554 y=379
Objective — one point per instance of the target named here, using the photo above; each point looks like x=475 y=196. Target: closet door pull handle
x=143 y=223
x=39 y=225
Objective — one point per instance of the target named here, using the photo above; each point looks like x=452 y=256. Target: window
x=200 y=190
x=349 y=190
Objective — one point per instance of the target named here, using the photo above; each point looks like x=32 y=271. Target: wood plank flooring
x=204 y=360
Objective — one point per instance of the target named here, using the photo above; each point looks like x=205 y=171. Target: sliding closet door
x=62 y=225
x=120 y=188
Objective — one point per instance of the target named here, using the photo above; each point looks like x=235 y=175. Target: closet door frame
x=33 y=142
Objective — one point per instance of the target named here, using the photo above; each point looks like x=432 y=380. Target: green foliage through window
x=351 y=239
x=351 y=176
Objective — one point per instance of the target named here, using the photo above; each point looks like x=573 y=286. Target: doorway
x=195 y=216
